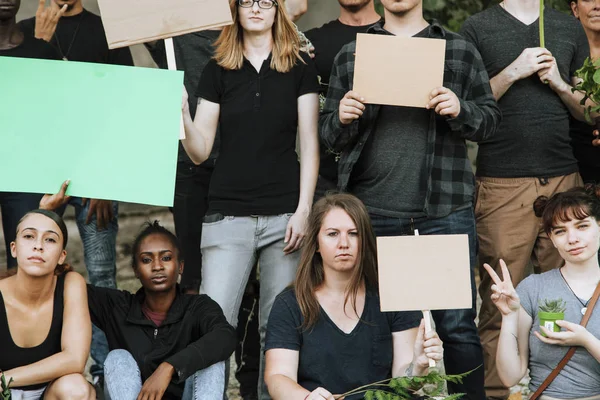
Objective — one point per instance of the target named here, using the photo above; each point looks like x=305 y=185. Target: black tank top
x=13 y=356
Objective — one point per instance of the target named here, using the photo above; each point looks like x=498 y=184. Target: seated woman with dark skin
x=164 y=344
x=45 y=328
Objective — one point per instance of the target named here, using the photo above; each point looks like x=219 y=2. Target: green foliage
x=405 y=388
x=452 y=13
x=4 y=387
x=553 y=306
x=589 y=85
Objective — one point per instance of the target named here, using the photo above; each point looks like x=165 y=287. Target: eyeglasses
x=264 y=4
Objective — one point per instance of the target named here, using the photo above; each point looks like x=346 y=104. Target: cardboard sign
x=128 y=22
x=398 y=71
x=111 y=130
x=426 y=272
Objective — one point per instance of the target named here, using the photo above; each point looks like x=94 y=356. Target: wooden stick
x=428 y=328
x=172 y=65
x=541 y=23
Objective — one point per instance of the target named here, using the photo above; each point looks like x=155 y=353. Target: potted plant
x=551 y=311
x=4 y=387
x=430 y=386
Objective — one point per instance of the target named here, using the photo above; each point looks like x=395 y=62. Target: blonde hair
x=229 y=51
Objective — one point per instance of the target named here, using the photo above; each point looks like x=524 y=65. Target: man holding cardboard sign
x=410 y=166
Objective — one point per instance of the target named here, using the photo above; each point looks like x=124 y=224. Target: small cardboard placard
x=425 y=272
x=129 y=22
x=398 y=71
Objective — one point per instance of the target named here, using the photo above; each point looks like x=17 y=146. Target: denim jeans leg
x=100 y=257
x=13 y=207
x=457 y=329
x=122 y=379
x=277 y=271
x=206 y=384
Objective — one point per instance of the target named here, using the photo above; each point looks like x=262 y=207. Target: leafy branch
x=589 y=85
x=405 y=387
x=4 y=387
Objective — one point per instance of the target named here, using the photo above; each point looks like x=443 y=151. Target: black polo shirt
x=257 y=172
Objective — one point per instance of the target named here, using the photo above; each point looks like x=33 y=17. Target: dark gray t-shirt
x=331 y=358
x=533 y=137
x=390 y=175
x=581 y=375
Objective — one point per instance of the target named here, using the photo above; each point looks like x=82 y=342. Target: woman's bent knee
x=70 y=387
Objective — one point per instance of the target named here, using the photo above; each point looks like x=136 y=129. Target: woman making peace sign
x=571 y=219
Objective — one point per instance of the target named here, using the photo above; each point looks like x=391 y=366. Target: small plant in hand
x=430 y=386
x=551 y=311
x=589 y=85
x=4 y=387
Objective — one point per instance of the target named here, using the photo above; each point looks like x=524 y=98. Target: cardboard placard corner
x=132 y=22
x=426 y=272
x=398 y=71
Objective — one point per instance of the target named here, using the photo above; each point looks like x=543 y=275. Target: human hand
x=46 y=19
x=444 y=101
x=351 y=107
x=156 y=385
x=295 y=231
x=54 y=201
x=596 y=140
x=320 y=394
x=530 y=61
x=573 y=335
x=551 y=76
x=103 y=210
x=504 y=295
x=428 y=346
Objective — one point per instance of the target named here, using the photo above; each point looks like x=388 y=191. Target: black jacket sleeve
x=216 y=343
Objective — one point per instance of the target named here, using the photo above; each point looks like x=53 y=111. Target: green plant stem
x=364 y=388
x=541 y=20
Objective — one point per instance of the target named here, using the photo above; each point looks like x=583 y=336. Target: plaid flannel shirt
x=450 y=184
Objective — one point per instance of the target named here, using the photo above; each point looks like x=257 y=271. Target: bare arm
x=281 y=374
x=529 y=62
x=570 y=99
x=200 y=132
x=403 y=344
x=512 y=356
x=296 y=8
x=308 y=117
x=76 y=338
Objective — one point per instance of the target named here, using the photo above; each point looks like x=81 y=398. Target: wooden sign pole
x=172 y=65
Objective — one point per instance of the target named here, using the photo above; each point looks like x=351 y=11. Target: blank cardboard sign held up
x=426 y=272
x=129 y=22
x=398 y=71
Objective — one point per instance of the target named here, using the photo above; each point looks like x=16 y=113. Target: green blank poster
x=112 y=130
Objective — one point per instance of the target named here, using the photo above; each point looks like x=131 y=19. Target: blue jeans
x=457 y=329
x=14 y=206
x=100 y=257
x=122 y=379
x=230 y=248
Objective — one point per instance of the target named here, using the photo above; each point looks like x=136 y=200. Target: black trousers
x=189 y=207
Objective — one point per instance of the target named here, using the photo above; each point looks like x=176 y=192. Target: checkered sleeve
x=333 y=134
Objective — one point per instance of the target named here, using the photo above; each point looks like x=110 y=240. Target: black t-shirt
x=257 y=171
x=328 y=40
x=585 y=152
x=32 y=48
x=331 y=358
x=533 y=138
x=82 y=38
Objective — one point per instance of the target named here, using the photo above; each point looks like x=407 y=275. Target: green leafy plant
x=553 y=306
x=4 y=387
x=589 y=85
x=405 y=387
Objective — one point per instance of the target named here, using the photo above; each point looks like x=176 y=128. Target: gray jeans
x=122 y=379
x=230 y=248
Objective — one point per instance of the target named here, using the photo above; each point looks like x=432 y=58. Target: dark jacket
x=194 y=335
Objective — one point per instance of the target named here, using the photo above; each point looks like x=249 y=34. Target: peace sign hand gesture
x=504 y=295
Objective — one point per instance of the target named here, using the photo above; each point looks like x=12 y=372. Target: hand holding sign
x=427 y=350
x=46 y=19
x=504 y=295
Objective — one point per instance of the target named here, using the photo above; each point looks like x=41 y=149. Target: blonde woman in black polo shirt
x=261 y=91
